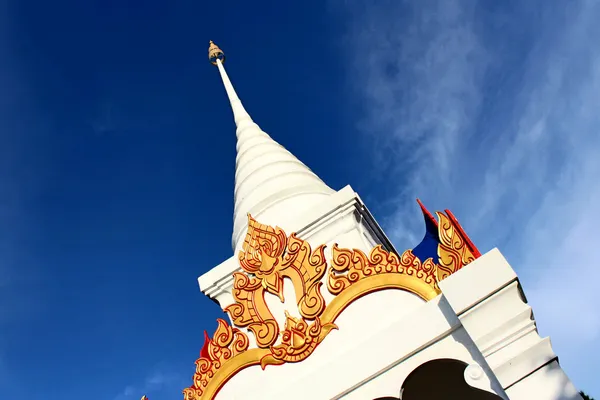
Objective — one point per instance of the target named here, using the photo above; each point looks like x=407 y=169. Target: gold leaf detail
x=226 y=343
x=271 y=257
x=351 y=266
x=453 y=251
x=299 y=340
x=251 y=309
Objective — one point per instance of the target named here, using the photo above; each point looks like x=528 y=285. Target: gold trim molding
x=269 y=256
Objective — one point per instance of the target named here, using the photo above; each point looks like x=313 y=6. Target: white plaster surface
x=370 y=359
x=489 y=302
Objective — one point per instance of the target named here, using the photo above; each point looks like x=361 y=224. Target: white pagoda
x=333 y=311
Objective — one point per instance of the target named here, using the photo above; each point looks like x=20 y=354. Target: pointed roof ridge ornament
x=426 y=213
x=215 y=53
x=268 y=178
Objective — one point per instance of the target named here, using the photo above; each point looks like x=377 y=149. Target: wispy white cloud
x=494 y=114
x=422 y=83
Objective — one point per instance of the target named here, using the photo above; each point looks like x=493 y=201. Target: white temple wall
x=488 y=300
x=457 y=345
x=358 y=324
x=370 y=355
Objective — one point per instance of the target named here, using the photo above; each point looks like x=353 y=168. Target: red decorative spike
x=474 y=250
x=204 y=350
x=427 y=213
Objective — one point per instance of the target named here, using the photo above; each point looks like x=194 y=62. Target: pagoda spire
x=270 y=182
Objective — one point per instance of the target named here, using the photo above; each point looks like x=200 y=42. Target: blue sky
x=117 y=152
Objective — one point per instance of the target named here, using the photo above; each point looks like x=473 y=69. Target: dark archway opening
x=441 y=379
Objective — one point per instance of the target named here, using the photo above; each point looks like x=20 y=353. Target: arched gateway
x=441 y=379
x=333 y=311
x=450 y=383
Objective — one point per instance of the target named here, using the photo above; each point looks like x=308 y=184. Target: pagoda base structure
x=472 y=336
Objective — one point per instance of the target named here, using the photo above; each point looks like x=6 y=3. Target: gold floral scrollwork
x=351 y=266
x=298 y=340
x=251 y=310
x=453 y=251
x=306 y=268
x=270 y=257
x=226 y=343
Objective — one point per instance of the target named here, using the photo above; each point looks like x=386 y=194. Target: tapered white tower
x=332 y=311
x=269 y=180
x=277 y=189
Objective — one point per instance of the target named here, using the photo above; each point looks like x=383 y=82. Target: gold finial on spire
x=215 y=53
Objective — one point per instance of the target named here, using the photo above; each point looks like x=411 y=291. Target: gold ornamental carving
x=215 y=53
x=453 y=251
x=298 y=340
x=226 y=343
x=351 y=266
x=269 y=258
